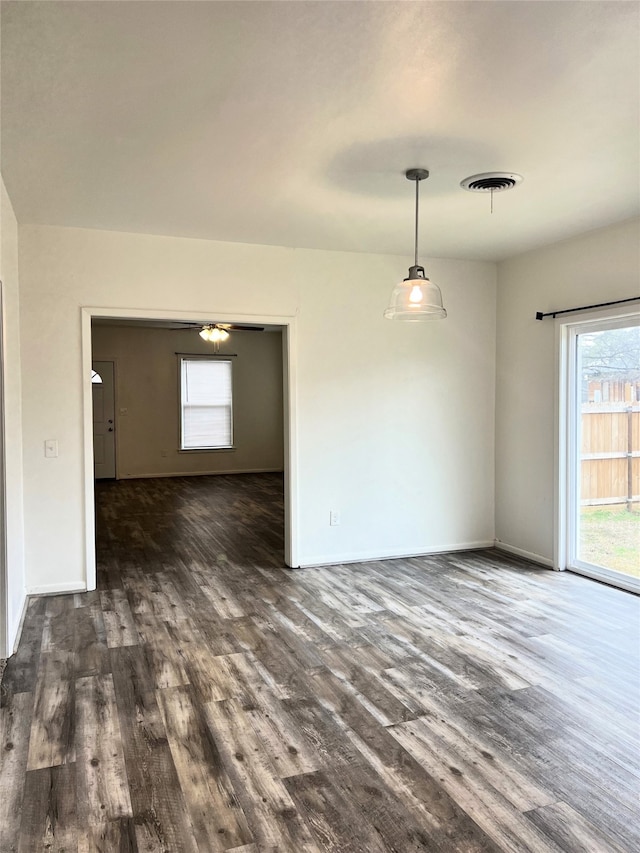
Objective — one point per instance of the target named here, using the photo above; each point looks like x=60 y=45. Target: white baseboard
x=527 y=555
x=15 y=630
x=199 y=473
x=57 y=588
x=370 y=556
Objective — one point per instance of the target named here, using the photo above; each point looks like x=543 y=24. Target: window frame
x=181 y=406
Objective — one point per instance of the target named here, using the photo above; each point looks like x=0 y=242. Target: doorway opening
x=602 y=450
x=157 y=427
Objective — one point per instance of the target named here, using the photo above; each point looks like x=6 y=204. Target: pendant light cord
x=416 y=240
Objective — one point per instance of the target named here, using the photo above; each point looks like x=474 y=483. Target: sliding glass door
x=603 y=450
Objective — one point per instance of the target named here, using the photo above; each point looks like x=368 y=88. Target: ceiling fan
x=211 y=327
x=217 y=333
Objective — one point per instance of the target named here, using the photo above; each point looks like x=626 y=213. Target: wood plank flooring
x=205 y=698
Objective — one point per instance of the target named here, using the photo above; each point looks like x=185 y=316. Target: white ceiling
x=292 y=123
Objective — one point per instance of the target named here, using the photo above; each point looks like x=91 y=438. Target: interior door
x=104 y=407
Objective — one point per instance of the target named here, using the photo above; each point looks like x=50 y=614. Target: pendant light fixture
x=416 y=298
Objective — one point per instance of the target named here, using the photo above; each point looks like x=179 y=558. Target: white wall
x=12 y=419
x=395 y=418
x=148 y=435
x=395 y=421
x=596 y=267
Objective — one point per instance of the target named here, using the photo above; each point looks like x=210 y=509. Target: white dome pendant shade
x=416 y=298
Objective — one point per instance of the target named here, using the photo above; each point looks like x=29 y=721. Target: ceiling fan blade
x=232 y=327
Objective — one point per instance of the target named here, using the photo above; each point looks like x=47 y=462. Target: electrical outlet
x=334 y=517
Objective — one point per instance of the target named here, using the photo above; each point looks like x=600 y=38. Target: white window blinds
x=206 y=404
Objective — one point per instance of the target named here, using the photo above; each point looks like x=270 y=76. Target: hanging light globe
x=416 y=298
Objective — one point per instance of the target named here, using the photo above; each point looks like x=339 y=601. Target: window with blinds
x=206 y=404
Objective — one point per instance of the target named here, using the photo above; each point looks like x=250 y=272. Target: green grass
x=610 y=537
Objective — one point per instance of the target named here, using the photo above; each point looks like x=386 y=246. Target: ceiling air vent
x=491 y=182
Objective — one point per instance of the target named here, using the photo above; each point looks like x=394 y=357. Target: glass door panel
x=605 y=493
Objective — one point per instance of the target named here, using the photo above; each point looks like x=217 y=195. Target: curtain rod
x=541 y=316
x=209 y=355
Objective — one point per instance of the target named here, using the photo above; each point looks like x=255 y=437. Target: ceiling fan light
x=205 y=333
x=217 y=335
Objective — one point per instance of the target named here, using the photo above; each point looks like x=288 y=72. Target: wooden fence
x=610 y=453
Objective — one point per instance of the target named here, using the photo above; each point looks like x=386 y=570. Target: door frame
x=566 y=442
x=289 y=387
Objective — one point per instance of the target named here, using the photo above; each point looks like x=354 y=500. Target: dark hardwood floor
x=207 y=699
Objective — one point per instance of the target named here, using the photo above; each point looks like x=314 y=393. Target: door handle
x=110 y=429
